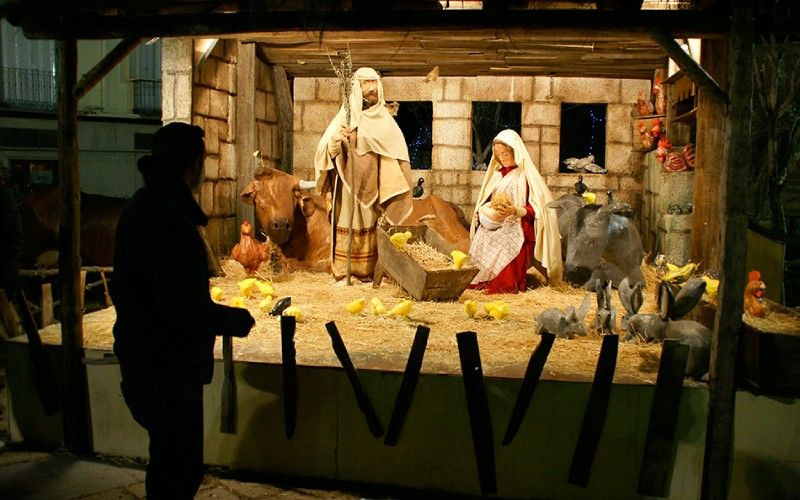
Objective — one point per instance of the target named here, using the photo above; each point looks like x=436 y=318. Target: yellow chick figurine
x=237 y=302
x=677 y=274
x=589 y=197
x=246 y=286
x=399 y=239
x=401 y=309
x=265 y=303
x=470 y=307
x=459 y=258
x=712 y=286
x=264 y=288
x=356 y=306
x=497 y=309
x=377 y=306
x=293 y=311
x=216 y=293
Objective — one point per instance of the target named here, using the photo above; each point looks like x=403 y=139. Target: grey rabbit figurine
x=606 y=317
x=668 y=325
x=567 y=323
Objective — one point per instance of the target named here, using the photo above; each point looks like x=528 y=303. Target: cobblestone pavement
x=59 y=475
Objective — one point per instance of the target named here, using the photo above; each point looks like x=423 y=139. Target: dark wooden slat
x=733 y=197
x=104 y=67
x=43 y=376
x=478 y=407
x=594 y=416
x=228 y=417
x=689 y=65
x=529 y=382
x=89 y=25
x=406 y=393
x=660 y=442
x=289 y=369
x=77 y=436
x=362 y=398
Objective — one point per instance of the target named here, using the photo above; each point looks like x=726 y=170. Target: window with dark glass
x=415 y=119
x=583 y=133
x=488 y=119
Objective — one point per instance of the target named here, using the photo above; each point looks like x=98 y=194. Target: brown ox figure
x=295 y=221
x=298 y=222
x=40 y=211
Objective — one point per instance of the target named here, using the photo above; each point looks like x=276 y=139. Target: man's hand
x=335 y=144
x=237 y=322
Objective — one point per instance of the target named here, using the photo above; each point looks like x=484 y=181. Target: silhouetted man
x=166 y=321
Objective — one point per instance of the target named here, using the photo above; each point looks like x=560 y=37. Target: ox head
x=594 y=236
x=278 y=199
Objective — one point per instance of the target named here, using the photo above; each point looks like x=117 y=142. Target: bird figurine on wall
x=580 y=187
x=754 y=295
x=418 y=191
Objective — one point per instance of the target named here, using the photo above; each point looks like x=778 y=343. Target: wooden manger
x=769 y=352
x=411 y=276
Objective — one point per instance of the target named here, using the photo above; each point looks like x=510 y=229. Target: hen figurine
x=643 y=106
x=249 y=252
x=754 y=295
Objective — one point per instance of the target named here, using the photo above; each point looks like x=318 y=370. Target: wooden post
x=283 y=99
x=246 y=128
x=733 y=198
x=710 y=148
x=76 y=415
x=82 y=299
x=106 y=293
x=689 y=65
x=7 y=315
x=47 y=305
x=104 y=67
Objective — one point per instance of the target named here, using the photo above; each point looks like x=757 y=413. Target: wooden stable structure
x=610 y=43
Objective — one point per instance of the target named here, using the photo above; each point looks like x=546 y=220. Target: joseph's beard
x=369 y=100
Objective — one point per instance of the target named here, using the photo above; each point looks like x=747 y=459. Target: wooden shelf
x=689 y=116
x=674 y=77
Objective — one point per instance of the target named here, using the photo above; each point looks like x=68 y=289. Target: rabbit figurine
x=667 y=325
x=606 y=317
x=631 y=297
x=564 y=324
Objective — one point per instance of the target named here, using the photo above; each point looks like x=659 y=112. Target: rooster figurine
x=249 y=252
x=754 y=295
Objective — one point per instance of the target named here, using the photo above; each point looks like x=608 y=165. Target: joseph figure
x=381 y=173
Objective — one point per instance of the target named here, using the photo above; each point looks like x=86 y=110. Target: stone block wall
x=662 y=231
x=214 y=109
x=208 y=94
x=316 y=101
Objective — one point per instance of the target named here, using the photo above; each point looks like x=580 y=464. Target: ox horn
x=307 y=185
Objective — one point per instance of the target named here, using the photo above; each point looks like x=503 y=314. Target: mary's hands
x=505 y=211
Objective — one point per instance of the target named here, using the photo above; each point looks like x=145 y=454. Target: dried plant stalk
x=344 y=72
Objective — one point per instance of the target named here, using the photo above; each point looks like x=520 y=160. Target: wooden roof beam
x=583 y=22
x=692 y=68
x=104 y=67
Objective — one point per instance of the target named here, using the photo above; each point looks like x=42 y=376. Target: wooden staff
x=345 y=73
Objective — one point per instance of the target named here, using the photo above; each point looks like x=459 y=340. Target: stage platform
x=435 y=448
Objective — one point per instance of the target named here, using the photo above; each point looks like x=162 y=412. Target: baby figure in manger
x=511 y=223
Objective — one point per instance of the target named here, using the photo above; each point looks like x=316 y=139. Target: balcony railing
x=28 y=89
x=147 y=97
